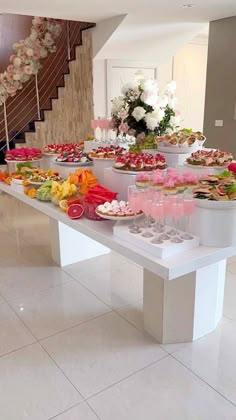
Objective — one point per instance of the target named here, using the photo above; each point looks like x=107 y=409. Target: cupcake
x=157 y=180
x=142 y=180
x=170 y=187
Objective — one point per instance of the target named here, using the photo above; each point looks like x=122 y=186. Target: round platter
x=207 y=167
x=50 y=154
x=35 y=183
x=77 y=164
x=102 y=159
x=116 y=218
x=23 y=161
x=179 y=149
x=215 y=205
x=123 y=171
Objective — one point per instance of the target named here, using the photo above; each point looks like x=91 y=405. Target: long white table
x=183 y=295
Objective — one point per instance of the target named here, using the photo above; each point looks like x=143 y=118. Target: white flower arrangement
x=143 y=109
x=28 y=53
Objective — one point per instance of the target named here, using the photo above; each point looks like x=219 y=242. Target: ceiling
x=142 y=10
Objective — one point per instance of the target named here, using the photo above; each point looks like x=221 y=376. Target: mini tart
x=170 y=190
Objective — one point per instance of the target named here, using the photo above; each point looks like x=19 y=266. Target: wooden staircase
x=53 y=84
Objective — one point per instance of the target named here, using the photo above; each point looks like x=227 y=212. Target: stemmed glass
x=94 y=125
x=177 y=213
x=167 y=210
x=188 y=209
x=157 y=212
x=146 y=207
x=134 y=203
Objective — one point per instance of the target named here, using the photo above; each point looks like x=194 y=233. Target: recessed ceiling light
x=188 y=5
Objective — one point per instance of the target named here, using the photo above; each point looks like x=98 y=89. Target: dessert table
x=183 y=294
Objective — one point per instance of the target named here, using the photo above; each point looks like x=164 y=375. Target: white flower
x=17 y=62
x=150 y=86
x=149 y=98
x=163 y=101
x=117 y=104
x=171 y=87
x=151 y=121
x=158 y=114
x=175 y=121
x=138 y=113
x=129 y=86
x=139 y=76
x=172 y=102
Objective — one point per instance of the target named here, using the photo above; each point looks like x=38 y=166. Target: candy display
x=57 y=149
x=210 y=158
x=73 y=157
x=109 y=152
x=220 y=187
x=23 y=154
x=140 y=162
x=184 y=137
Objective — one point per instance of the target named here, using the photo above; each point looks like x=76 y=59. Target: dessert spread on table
x=73 y=157
x=220 y=187
x=184 y=137
x=140 y=162
x=116 y=209
x=60 y=148
x=210 y=158
x=23 y=154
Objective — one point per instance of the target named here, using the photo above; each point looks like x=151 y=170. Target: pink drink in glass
x=177 y=210
x=189 y=206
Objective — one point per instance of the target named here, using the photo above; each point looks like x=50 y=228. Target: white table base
x=186 y=308
x=69 y=246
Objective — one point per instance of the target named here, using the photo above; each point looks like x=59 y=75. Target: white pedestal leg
x=69 y=246
x=186 y=308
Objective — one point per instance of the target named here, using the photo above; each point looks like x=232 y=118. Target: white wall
x=188 y=69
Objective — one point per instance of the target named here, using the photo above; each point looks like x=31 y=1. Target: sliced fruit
x=75 y=211
x=71 y=201
x=63 y=205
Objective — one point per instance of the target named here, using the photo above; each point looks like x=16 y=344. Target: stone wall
x=70 y=118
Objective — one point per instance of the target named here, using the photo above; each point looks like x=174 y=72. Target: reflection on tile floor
x=77 y=334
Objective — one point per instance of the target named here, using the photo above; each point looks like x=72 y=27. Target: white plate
x=123 y=171
x=50 y=154
x=207 y=167
x=116 y=218
x=179 y=149
x=35 y=183
x=215 y=205
x=77 y=164
x=23 y=161
x=96 y=158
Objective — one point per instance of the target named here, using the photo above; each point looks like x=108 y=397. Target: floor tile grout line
x=99 y=418
x=126 y=377
x=18 y=349
x=56 y=364
x=74 y=326
x=199 y=377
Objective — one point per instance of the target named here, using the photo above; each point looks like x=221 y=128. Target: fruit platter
x=210 y=158
x=23 y=154
x=116 y=210
x=135 y=162
x=57 y=149
x=109 y=152
x=39 y=176
x=73 y=158
x=182 y=141
x=220 y=187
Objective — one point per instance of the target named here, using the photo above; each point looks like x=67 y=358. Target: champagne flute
x=146 y=207
x=134 y=203
x=177 y=213
x=189 y=207
x=157 y=211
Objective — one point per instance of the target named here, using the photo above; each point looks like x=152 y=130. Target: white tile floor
x=72 y=345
